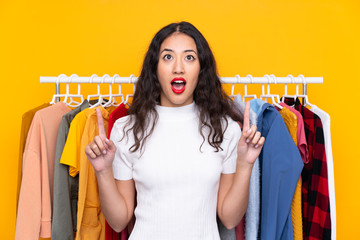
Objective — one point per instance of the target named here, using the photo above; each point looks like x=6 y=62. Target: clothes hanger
x=126 y=102
x=268 y=95
x=285 y=91
x=112 y=99
x=98 y=95
x=101 y=101
x=67 y=96
x=297 y=95
x=245 y=88
x=232 y=96
x=53 y=101
x=305 y=97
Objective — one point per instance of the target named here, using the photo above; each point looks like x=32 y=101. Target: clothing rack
x=248 y=79
x=116 y=79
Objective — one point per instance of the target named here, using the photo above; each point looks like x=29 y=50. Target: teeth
x=178 y=81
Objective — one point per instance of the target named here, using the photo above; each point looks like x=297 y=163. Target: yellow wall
x=281 y=37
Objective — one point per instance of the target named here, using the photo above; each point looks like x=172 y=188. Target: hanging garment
x=25 y=126
x=281 y=165
x=119 y=112
x=90 y=220
x=302 y=146
x=300 y=134
x=325 y=120
x=240 y=230
x=65 y=186
x=72 y=150
x=110 y=234
x=252 y=214
x=315 y=192
x=35 y=199
x=290 y=120
x=225 y=234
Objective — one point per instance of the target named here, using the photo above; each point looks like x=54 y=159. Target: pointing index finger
x=101 y=126
x=246 y=123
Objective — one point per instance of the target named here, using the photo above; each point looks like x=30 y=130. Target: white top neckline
x=177 y=113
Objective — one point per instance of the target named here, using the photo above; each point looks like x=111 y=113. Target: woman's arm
x=116 y=197
x=117 y=200
x=233 y=192
x=233 y=196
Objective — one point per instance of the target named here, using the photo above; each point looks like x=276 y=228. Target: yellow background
x=281 y=37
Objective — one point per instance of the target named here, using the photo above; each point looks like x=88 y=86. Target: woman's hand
x=250 y=143
x=101 y=151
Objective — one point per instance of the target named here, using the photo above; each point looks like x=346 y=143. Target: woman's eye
x=167 y=57
x=190 y=57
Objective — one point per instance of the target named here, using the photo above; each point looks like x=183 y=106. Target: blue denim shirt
x=281 y=166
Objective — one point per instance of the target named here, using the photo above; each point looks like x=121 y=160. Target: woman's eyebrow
x=166 y=49
x=190 y=50
x=170 y=50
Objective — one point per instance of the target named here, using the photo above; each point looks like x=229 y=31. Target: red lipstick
x=178 y=85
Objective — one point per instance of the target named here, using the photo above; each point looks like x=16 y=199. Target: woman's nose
x=178 y=66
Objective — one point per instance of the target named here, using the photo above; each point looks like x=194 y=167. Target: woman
x=180 y=148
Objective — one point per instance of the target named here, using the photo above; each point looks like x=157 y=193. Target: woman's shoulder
x=121 y=122
x=232 y=124
x=233 y=127
x=117 y=130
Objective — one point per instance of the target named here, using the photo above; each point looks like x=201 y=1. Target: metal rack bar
x=226 y=80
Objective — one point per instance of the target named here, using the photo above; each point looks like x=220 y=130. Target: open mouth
x=178 y=85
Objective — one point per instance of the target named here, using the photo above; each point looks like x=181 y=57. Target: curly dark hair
x=211 y=100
